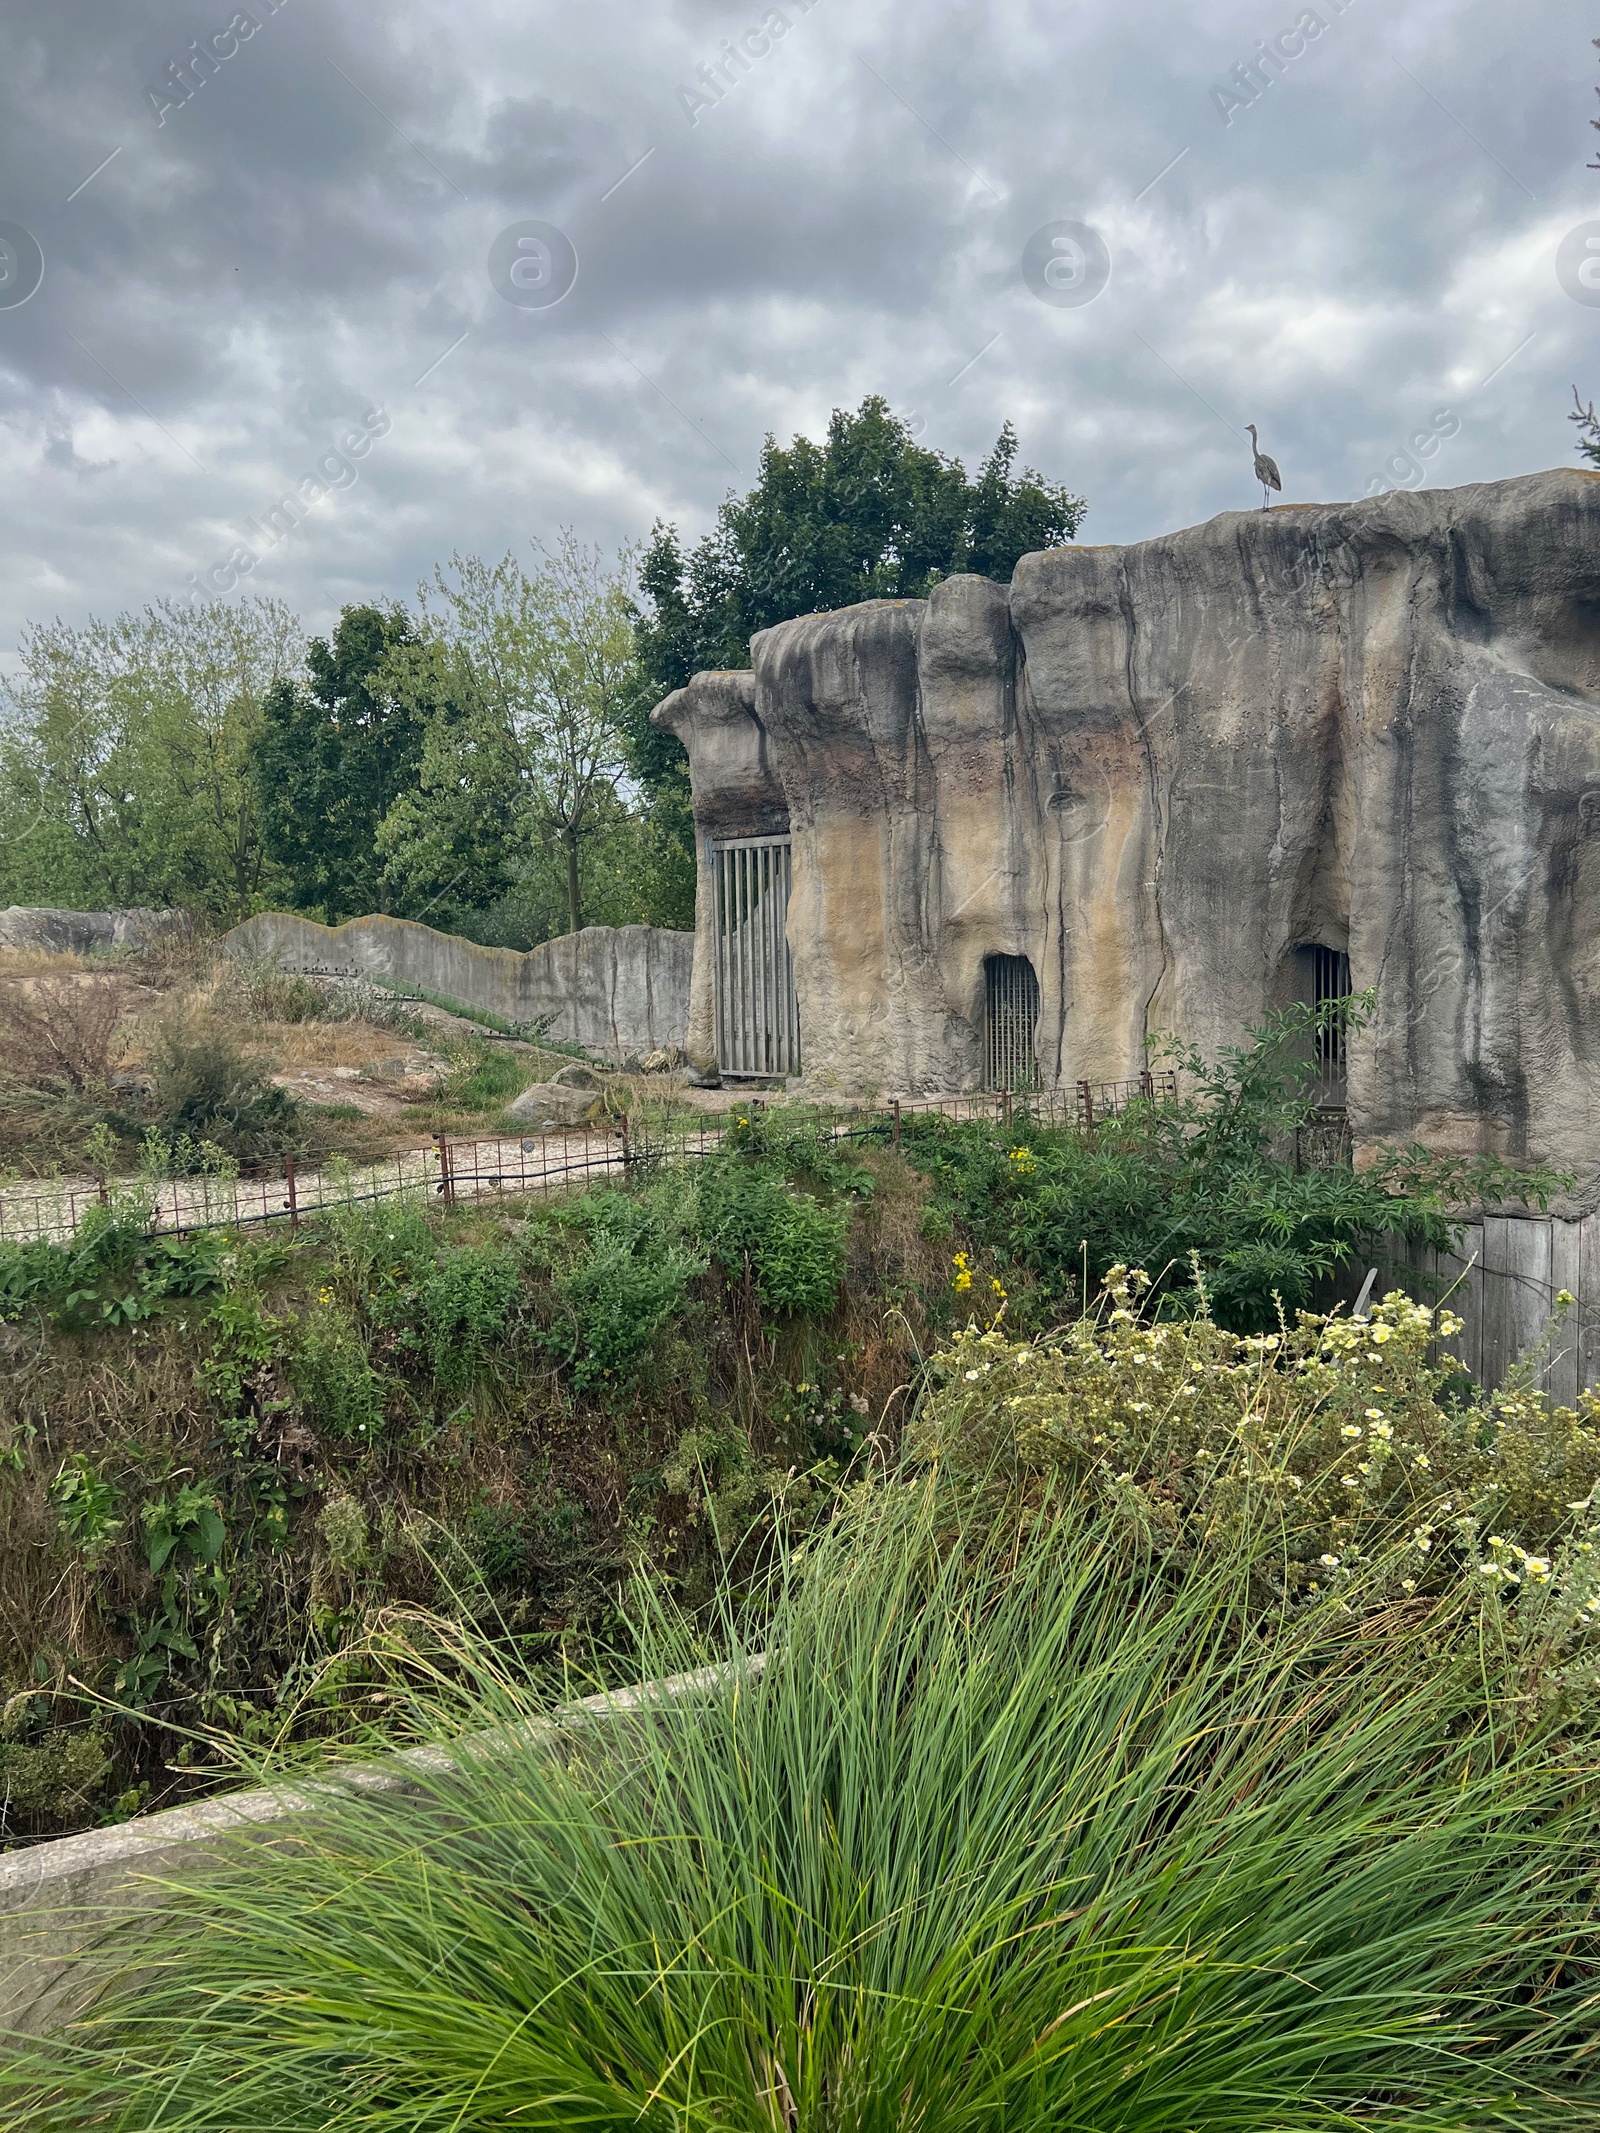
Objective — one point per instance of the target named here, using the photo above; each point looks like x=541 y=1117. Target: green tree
x=332 y=758
x=868 y=514
x=532 y=674
x=126 y=757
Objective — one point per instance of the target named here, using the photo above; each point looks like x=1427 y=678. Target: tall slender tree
x=536 y=670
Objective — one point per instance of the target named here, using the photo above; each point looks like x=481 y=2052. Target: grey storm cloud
x=261 y=225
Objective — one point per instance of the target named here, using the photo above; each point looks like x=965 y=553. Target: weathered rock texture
x=39 y=927
x=1157 y=771
x=616 y=990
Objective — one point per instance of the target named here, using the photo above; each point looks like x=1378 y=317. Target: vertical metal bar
x=735 y=966
x=896 y=1108
x=736 y=991
x=722 y=960
x=769 y=870
x=791 y=997
x=758 y=956
x=752 y=1063
x=288 y=1178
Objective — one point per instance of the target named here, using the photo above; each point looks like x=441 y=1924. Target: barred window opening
x=1011 y=1020
x=1330 y=988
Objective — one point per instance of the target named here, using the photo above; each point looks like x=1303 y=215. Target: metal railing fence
x=455 y=1169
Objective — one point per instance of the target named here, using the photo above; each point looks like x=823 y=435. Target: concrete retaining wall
x=55 y=1898
x=615 y=990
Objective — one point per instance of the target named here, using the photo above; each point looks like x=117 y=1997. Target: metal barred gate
x=758 y=1021
x=1011 y=1019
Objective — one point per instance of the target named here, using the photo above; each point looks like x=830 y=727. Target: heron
x=1266 y=469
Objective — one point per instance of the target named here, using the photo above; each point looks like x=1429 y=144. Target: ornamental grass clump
x=1025 y=1823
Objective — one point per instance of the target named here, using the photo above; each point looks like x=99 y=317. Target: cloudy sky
x=317 y=227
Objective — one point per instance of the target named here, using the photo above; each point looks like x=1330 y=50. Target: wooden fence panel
x=1460 y=1282
x=1562 y=1380
x=1587 y=1292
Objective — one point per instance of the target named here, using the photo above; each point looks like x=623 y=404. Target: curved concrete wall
x=615 y=990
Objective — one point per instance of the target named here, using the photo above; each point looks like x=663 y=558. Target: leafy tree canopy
x=536 y=668
x=334 y=754
x=869 y=514
x=126 y=758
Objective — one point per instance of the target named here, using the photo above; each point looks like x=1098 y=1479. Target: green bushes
x=630 y=1277
x=791 y=1245
x=464 y=1305
x=207 y=1093
x=756 y=1218
x=1021 y=1826
x=1207 y=1180
x=331 y=1373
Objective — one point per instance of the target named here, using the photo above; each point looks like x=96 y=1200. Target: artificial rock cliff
x=1156 y=771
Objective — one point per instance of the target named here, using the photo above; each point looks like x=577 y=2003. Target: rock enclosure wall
x=1156 y=771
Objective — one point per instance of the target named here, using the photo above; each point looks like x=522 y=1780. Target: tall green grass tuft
x=1016 y=1828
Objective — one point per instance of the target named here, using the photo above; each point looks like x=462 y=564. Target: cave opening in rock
x=1011 y=1021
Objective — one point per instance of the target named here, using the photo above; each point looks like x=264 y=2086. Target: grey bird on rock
x=1266 y=469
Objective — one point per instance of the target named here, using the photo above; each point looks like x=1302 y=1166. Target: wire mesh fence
x=456 y=1170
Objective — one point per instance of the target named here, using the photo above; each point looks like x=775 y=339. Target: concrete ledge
x=615 y=990
x=55 y=1897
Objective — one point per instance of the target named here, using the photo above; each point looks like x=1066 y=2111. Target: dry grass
x=40 y=962
x=331 y=1044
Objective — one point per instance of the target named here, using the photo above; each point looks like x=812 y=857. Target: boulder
x=548 y=1106
x=575 y=1076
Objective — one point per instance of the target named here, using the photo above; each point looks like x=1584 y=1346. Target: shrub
x=1208 y=1179
x=460 y=1308
x=631 y=1275
x=1018 y=1828
x=331 y=1371
x=260 y=989
x=61 y=1032
x=32 y=1276
x=487 y=1077
x=1180 y=1431
x=207 y=1092
x=46 y=1778
x=374 y=1246
x=85 y=1505
x=792 y=1246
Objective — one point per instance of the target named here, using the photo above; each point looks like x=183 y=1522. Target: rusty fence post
x=288 y=1179
x=627 y=1150
x=1147 y=1087
x=1086 y=1104
x=447 y=1183
x=1005 y=1109
x=895 y=1107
